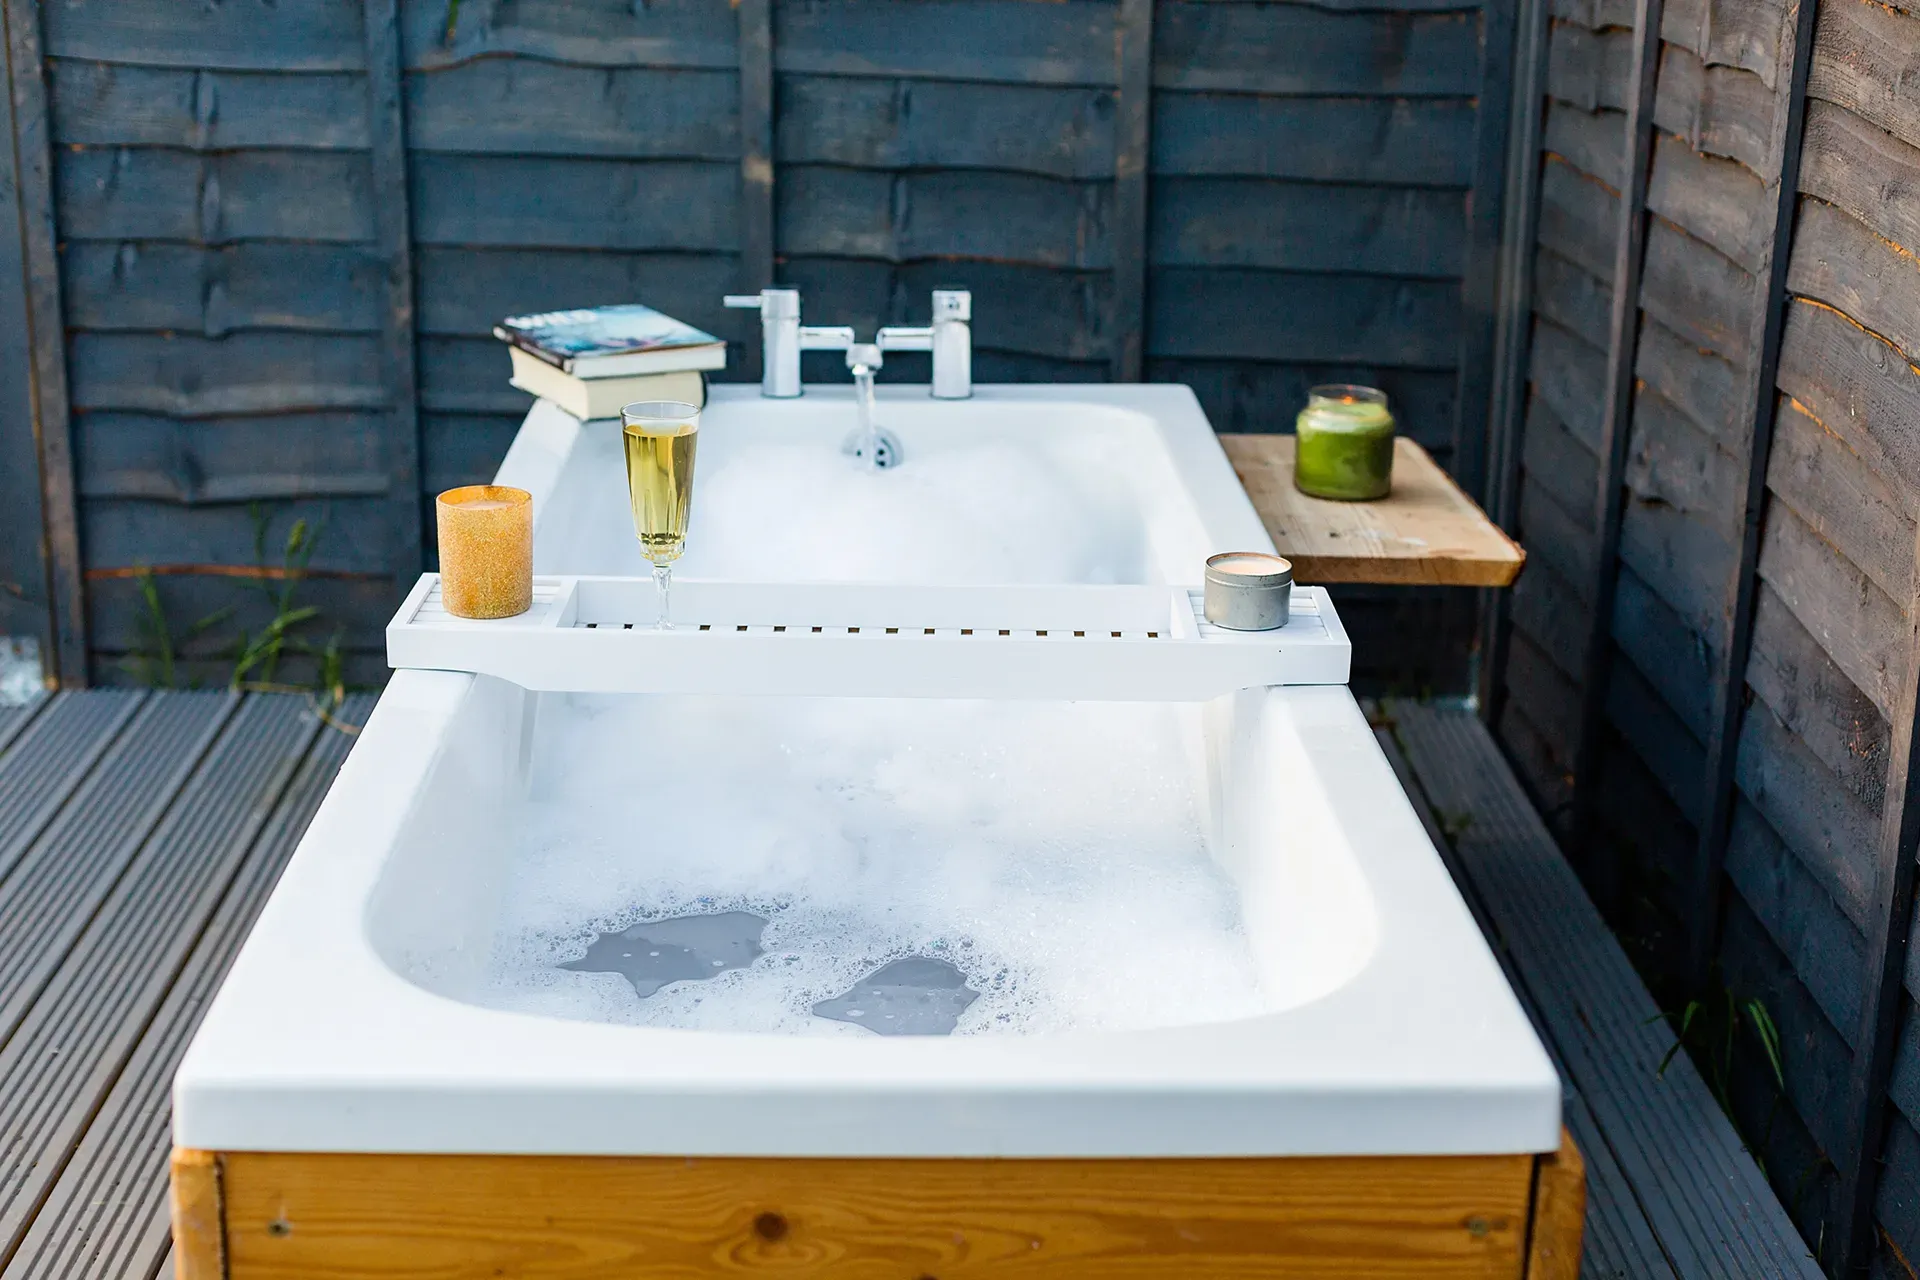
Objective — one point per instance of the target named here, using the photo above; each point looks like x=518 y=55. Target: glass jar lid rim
x=1349 y=392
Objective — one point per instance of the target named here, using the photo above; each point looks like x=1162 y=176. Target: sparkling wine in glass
x=660 y=436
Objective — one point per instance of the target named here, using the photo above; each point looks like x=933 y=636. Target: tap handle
x=772 y=304
x=952 y=304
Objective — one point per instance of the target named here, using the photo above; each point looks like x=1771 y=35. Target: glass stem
x=662 y=587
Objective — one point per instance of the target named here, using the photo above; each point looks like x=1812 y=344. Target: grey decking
x=140 y=833
x=1672 y=1190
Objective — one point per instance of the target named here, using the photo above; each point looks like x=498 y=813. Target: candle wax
x=1344 y=449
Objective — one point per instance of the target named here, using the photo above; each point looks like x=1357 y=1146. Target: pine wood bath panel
x=379 y=1217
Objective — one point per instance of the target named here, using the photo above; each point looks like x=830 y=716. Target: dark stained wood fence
x=272 y=239
x=1708 y=672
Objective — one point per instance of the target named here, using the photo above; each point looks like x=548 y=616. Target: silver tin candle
x=1248 y=590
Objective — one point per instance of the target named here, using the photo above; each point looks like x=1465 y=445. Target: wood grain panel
x=1667 y=648
x=1863 y=61
x=1731 y=33
x=575 y=203
x=1005 y=40
x=1719 y=201
x=1224 y=313
x=898 y=217
x=1408 y=231
x=1559 y=1212
x=1840 y=498
x=255 y=372
x=215 y=290
x=1838 y=260
x=350 y=534
x=596 y=33
x=1390 y=141
x=1551 y=535
x=352 y=610
x=108 y=104
x=1658 y=744
x=466 y=291
x=1230 y=48
x=1859 y=625
x=454 y=1216
x=1574 y=215
x=1699 y=383
x=1789 y=670
x=150 y=193
x=237 y=459
x=1567 y=374
x=1569 y=297
x=1682 y=558
x=280 y=37
x=895 y=123
x=520 y=106
x=1547 y=608
x=1559 y=463
x=198 y=1242
x=1857 y=386
x=1799 y=914
x=1719 y=110
x=1672 y=463
x=1870 y=173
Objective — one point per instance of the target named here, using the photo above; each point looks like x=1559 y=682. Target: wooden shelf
x=1425 y=533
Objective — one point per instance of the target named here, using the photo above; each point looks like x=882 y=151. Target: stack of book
x=592 y=361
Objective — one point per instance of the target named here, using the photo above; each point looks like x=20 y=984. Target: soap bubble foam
x=1052 y=852
x=986 y=513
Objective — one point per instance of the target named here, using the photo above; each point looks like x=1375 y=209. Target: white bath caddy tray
x=1095 y=643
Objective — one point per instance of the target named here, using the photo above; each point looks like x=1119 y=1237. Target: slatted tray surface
x=1118 y=643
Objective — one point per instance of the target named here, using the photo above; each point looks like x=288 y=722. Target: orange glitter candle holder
x=486 y=550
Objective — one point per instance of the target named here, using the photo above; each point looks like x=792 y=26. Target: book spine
x=521 y=342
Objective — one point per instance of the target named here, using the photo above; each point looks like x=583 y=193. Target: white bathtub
x=350 y=1021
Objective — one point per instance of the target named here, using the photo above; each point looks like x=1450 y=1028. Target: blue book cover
x=602 y=342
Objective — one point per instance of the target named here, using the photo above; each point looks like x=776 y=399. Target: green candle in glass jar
x=1345 y=444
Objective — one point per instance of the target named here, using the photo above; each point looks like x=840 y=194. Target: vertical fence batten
x=46 y=336
x=1759 y=401
x=387 y=134
x=1133 y=114
x=1513 y=323
x=1895 y=850
x=1480 y=277
x=26 y=605
x=756 y=160
x=1616 y=417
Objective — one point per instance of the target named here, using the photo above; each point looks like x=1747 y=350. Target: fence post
x=47 y=343
x=1616 y=416
x=1133 y=120
x=393 y=231
x=756 y=161
x=1512 y=325
x=1887 y=938
x=1480 y=299
x=1758 y=403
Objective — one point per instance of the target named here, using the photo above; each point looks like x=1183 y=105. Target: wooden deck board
x=87 y=1018
x=107 y=1214
x=1709 y=1206
x=1619 y=1242
x=1425 y=533
x=50 y=758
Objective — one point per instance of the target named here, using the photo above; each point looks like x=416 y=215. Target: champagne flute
x=660 y=436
